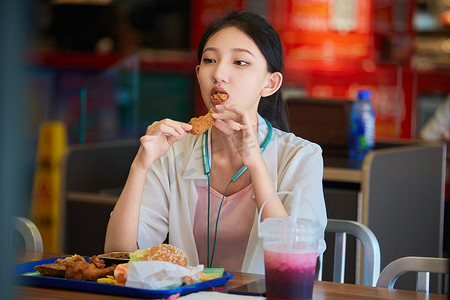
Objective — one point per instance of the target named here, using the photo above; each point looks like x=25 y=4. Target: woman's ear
x=273 y=83
x=197 y=68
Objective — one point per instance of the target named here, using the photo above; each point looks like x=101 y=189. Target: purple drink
x=289 y=274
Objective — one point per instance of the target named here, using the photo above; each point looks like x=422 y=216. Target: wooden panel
x=325 y=122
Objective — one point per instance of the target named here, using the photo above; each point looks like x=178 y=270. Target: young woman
x=192 y=189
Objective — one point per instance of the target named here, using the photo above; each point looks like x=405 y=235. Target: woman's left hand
x=236 y=124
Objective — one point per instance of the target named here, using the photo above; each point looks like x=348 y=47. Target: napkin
x=156 y=275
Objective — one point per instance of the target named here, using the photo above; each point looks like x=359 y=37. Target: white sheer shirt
x=170 y=195
x=439 y=123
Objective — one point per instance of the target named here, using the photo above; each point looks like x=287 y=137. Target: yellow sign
x=47 y=182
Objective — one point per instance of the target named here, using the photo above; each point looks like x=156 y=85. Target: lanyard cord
x=207 y=170
x=207 y=246
x=209 y=263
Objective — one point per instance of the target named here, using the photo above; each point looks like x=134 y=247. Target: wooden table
x=322 y=289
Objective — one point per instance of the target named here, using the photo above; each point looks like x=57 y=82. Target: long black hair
x=268 y=41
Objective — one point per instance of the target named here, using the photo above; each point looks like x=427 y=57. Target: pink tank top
x=233 y=230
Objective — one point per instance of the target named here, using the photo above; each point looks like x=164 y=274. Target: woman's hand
x=159 y=137
x=238 y=126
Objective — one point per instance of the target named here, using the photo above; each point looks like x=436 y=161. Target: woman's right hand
x=158 y=139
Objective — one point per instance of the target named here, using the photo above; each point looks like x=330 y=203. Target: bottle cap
x=363 y=94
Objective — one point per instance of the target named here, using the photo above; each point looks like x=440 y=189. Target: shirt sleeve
x=154 y=214
x=435 y=128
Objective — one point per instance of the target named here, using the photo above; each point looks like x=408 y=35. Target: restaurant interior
x=82 y=80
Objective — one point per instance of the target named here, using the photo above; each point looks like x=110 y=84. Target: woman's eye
x=208 y=60
x=241 y=63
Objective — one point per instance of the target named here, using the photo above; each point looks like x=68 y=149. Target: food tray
x=26 y=276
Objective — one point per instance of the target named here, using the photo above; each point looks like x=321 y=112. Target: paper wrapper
x=157 y=275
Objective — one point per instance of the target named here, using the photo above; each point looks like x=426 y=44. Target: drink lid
x=295 y=230
x=293 y=221
x=304 y=229
x=363 y=94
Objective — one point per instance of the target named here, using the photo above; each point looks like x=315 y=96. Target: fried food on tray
x=109 y=280
x=52 y=270
x=121 y=273
x=202 y=123
x=161 y=252
x=76 y=267
x=58 y=268
x=90 y=271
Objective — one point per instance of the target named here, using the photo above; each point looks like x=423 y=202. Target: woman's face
x=232 y=64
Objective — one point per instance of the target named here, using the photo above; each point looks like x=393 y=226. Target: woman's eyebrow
x=210 y=49
x=236 y=50
x=242 y=50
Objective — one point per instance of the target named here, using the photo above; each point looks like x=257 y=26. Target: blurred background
x=82 y=72
x=397 y=48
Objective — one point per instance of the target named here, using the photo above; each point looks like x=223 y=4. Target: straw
x=295 y=207
x=294 y=215
x=262 y=207
x=293 y=218
x=296 y=204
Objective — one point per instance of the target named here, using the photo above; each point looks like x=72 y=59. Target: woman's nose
x=221 y=73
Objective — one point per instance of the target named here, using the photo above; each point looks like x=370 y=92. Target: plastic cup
x=290 y=256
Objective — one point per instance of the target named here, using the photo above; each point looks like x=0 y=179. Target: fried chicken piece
x=66 y=260
x=82 y=270
x=51 y=270
x=202 y=123
x=58 y=268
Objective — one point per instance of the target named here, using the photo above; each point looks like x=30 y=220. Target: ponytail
x=273 y=109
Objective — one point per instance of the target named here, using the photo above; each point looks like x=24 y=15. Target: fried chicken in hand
x=202 y=123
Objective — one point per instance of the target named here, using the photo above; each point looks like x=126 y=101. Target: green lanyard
x=239 y=173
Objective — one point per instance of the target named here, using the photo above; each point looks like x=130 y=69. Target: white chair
x=30 y=234
x=422 y=265
x=371 y=258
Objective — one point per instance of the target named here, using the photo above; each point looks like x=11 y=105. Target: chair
x=30 y=234
x=371 y=258
x=422 y=265
x=92 y=177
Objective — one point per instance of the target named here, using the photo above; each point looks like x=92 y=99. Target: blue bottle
x=362 y=127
